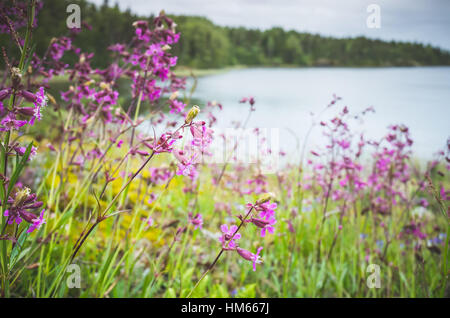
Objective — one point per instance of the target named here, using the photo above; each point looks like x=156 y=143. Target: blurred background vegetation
x=206 y=45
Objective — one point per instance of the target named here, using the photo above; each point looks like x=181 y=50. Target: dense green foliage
x=205 y=45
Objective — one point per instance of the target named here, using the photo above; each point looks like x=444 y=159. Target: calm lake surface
x=418 y=97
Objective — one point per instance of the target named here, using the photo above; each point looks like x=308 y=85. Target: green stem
x=444 y=265
x=5 y=243
x=220 y=253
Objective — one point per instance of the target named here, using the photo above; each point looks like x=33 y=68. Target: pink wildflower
x=10 y=122
x=37 y=223
x=229 y=236
x=176 y=106
x=149 y=222
x=186 y=166
x=264 y=224
x=266 y=209
x=197 y=221
x=249 y=256
x=12 y=218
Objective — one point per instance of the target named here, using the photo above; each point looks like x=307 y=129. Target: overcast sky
x=425 y=21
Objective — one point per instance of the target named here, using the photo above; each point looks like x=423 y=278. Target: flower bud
x=31 y=197
x=140 y=24
x=26 y=111
x=259 y=222
x=16 y=76
x=5 y=93
x=249 y=256
x=174 y=95
x=51 y=99
x=265 y=197
x=28 y=216
x=104 y=85
x=36 y=205
x=29 y=96
x=173 y=27
x=193 y=112
x=21 y=196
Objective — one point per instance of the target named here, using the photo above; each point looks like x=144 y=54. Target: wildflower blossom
x=250 y=100
x=19 y=205
x=414 y=229
x=9 y=122
x=12 y=218
x=176 y=106
x=37 y=223
x=4 y=93
x=39 y=100
x=344 y=144
x=228 y=235
x=149 y=222
x=152 y=198
x=186 y=166
x=165 y=142
x=21 y=151
x=423 y=202
x=202 y=136
x=266 y=210
x=379 y=243
x=264 y=224
x=59 y=46
x=438 y=240
x=249 y=256
x=196 y=220
x=160 y=175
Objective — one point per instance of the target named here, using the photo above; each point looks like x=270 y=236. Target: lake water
x=418 y=97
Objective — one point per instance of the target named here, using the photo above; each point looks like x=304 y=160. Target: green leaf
x=19 y=168
x=248 y=291
x=170 y=293
x=220 y=291
x=186 y=277
x=29 y=58
x=200 y=291
x=17 y=248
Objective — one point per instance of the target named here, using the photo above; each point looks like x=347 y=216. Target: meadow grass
x=122 y=258
x=124 y=214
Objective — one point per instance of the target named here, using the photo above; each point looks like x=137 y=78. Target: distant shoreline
x=183 y=71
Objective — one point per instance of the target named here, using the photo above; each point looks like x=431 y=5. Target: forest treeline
x=206 y=45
